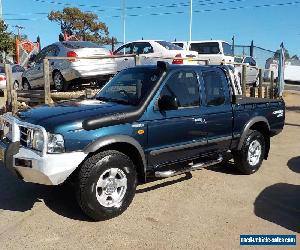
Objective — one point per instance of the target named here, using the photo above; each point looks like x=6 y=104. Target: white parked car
x=291 y=70
x=64 y=72
x=151 y=51
x=216 y=51
x=251 y=69
x=17 y=72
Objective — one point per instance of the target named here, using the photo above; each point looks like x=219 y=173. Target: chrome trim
x=170 y=173
x=179 y=147
x=224 y=138
x=16 y=132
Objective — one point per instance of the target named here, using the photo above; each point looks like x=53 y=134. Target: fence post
x=260 y=77
x=266 y=92
x=14 y=101
x=272 y=85
x=252 y=92
x=9 y=87
x=137 y=60
x=47 y=82
x=243 y=80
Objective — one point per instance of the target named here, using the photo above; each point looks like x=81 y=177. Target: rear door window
x=168 y=45
x=179 y=44
x=124 y=50
x=214 y=83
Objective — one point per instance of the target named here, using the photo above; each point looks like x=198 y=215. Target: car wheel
x=26 y=85
x=59 y=82
x=249 y=158
x=106 y=185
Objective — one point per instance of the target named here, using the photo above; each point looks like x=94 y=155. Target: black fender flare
x=109 y=140
x=248 y=126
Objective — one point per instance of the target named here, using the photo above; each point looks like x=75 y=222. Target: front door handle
x=199 y=120
x=126 y=59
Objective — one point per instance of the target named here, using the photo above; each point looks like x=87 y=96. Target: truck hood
x=69 y=116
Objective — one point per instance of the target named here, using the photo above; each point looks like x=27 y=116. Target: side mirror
x=167 y=102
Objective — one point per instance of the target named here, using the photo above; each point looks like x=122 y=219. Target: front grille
x=25 y=136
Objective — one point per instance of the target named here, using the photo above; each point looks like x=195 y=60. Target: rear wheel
x=59 y=82
x=106 y=185
x=249 y=158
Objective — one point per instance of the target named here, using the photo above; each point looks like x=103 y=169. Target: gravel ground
x=207 y=209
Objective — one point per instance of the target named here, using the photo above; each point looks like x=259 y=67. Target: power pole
x=124 y=22
x=191 y=18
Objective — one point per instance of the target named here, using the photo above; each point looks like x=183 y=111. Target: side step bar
x=170 y=173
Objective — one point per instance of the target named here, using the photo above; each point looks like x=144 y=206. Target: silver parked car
x=17 y=72
x=64 y=72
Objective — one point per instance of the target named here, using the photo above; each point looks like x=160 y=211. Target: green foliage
x=7 y=43
x=286 y=54
x=84 y=25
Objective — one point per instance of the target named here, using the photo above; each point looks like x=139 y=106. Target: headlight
x=37 y=142
x=56 y=143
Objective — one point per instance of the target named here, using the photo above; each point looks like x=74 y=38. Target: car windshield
x=130 y=86
x=169 y=46
x=238 y=59
x=80 y=45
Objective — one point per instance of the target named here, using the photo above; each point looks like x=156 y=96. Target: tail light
x=2 y=78
x=177 y=61
x=72 y=54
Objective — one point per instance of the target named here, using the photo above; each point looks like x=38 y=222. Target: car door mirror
x=167 y=102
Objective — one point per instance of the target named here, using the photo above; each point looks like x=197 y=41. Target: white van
x=216 y=51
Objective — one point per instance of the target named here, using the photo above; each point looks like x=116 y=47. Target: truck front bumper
x=51 y=169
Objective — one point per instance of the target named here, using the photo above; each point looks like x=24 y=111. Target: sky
x=219 y=19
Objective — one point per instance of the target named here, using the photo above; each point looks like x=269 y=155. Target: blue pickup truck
x=147 y=122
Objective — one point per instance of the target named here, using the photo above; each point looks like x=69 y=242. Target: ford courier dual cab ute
x=144 y=123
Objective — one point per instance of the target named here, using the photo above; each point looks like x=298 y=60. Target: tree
x=286 y=54
x=6 y=39
x=83 y=25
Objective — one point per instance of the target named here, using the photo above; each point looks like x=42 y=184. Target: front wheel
x=106 y=185
x=59 y=82
x=249 y=158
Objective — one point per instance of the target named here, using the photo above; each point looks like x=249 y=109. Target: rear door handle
x=126 y=59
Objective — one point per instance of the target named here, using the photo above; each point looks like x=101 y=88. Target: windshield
x=169 y=46
x=2 y=69
x=238 y=59
x=206 y=48
x=130 y=86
